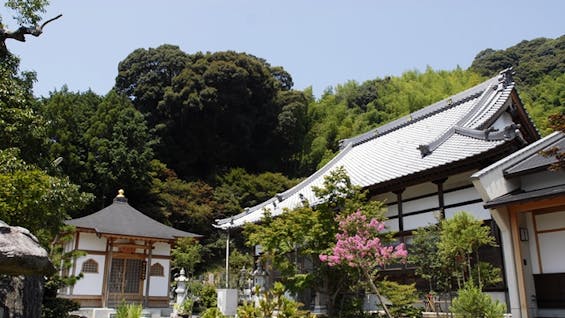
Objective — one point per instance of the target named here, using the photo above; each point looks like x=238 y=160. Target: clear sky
x=320 y=43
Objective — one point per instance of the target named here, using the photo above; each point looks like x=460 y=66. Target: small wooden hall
x=127 y=257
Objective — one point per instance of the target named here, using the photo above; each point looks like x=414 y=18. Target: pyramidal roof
x=463 y=127
x=120 y=218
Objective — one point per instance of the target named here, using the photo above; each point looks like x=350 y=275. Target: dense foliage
x=540 y=69
x=214 y=110
x=197 y=137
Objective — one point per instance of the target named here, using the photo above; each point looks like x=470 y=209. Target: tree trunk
x=376 y=291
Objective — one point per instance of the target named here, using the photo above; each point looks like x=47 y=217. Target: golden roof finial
x=120 y=193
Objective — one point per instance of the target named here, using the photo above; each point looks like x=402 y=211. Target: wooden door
x=126 y=279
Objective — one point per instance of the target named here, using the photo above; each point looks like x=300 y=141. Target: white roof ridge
x=420 y=114
x=517 y=156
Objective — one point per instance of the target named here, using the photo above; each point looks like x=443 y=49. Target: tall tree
x=145 y=73
x=221 y=112
x=21 y=126
x=215 y=110
x=104 y=142
x=119 y=148
x=69 y=115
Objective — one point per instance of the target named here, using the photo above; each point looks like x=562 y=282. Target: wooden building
x=420 y=165
x=127 y=257
x=527 y=200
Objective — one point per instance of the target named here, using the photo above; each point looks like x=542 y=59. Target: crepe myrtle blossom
x=358 y=244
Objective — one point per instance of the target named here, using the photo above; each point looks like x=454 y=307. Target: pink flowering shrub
x=358 y=244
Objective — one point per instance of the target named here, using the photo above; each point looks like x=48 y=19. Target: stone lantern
x=181 y=288
x=260 y=276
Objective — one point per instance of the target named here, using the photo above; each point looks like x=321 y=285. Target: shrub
x=402 y=298
x=126 y=310
x=213 y=312
x=472 y=303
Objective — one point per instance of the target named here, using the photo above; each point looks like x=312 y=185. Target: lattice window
x=90 y=266
x=157 y=270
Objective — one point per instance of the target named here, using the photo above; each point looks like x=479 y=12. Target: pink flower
x=358 y=244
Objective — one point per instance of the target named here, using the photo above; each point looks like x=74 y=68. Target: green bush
x=126 y=310
x=272 y=301
x=472 y=303
x=186 y=307
x=213 y=312
x=402 y=297
x=207 y=298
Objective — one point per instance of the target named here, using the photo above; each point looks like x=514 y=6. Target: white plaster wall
x=542 y=180
x=420 y=204
x=504 y=120
x=159 y=285
x=550 y=221
x=161 y=248
x=413 y=222
x=532 y=244
x=495 y=185
x=91 y=283
x=475 y=209
x=551 y=244
x=391 y=225
x=552 y=249
x=89 y=241
x=502 y=218
x=392 y=210
x=462 y=195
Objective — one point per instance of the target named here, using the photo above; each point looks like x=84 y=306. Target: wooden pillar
x=148 y=275
x=441 y=202
x=400 y=212
x=515 y=232
x=107 y=269
x=74 y=272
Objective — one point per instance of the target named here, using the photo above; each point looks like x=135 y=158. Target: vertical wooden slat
x=515 y=232
x=148 y=275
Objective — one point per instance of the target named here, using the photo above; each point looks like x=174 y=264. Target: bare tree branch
x=20 y=34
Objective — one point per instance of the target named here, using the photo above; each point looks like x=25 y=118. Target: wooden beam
x=133 y=245
x=537 y=204
x=514 y=231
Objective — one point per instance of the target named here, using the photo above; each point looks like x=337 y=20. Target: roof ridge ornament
x=120 y=197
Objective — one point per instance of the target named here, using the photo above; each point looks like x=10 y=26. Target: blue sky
x=320 y=43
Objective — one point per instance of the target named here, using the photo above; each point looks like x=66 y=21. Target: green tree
x=104 y=142
x=145 y=73
x=214 y=110
x=53 y=306
x=21 y=125
x=238 y=189
x=460 y=239
x=190 y=206
x=187 y=254
x=430 y=265
x=306 y=232
x=69 y=115
x=544 y=99
x=530 y=59
x=31 y=198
